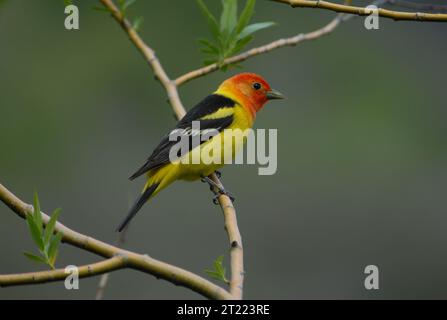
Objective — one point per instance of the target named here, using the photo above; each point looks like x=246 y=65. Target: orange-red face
x=251 y=90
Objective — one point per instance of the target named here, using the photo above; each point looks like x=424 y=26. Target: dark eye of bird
x=256 y=86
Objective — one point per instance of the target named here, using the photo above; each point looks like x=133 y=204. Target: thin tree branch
x=174 y=99
x=236 y=250
x=277 y=44
x=150 y=57
x=292 y=41
x=94 y=269
x=104 y=280
x=133 y=260
x=361 y=11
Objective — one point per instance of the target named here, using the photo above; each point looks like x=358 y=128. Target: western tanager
x=232 y=106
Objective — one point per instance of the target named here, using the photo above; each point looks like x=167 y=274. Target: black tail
x=137 y=206
x=144 y=168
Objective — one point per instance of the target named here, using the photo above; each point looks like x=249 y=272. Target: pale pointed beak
x=274 y=94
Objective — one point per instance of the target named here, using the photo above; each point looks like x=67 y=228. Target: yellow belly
x=219 y=150
x=179 y=170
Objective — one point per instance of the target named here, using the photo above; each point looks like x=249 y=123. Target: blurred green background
x=361 y=153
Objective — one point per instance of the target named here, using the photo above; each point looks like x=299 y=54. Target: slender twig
x=174 y=99
x=292 y=41
x=363 y=11
x=104 y=280
x=266 y=48
x=132 y=260
x=418 y=5
x=236 y=250
x=150 y=57
x=94 y=269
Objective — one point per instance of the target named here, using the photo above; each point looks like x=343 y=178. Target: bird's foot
x=206 y=179
x=221 y=192
x=217 y=190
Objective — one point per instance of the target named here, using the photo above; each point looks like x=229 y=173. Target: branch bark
x=361 y=11
x=129 y=259
x=90 y=270
x=280 y=43
x=236 y=248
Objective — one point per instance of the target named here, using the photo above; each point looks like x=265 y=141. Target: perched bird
x=232 y=106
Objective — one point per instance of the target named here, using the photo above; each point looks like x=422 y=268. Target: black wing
x=212 y=103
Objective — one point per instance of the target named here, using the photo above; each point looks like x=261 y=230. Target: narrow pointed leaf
x=240 y=45
x=248 y=30
x=213 y=274
x=128 y=3
x=211 y=20
x=212 y=48
x=246 y=15
x=207 y=62
x=54 y=244
x=218 y=264
x=101 y=9
x=52 y=260
x=207 y=50
x=138 y=22
x=228 y=19
x=49 y=229
x=37 y=215
x=34 y=257
x=35 y=232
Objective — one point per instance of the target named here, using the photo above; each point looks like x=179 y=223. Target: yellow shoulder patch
x=219 y=113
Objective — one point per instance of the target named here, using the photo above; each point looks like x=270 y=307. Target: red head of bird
x=250 y=90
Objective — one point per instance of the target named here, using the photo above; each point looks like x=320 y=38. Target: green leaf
x=49 y=229
x=211 y=20
x=210 y=46
x=219 y=271
x=136 y=25
x=52 y=260
x=121 y=5
x=207 y=51
x=128 y=3
x=37 y=216
x=218 y=264
x=228 y=19
x=102 y=9
x=53 y=248
x=214 y=274
x=248 y=30
x=207 y=62
x=36 y=234
x=35 y=258
x=246 y=15
x=240 y=44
